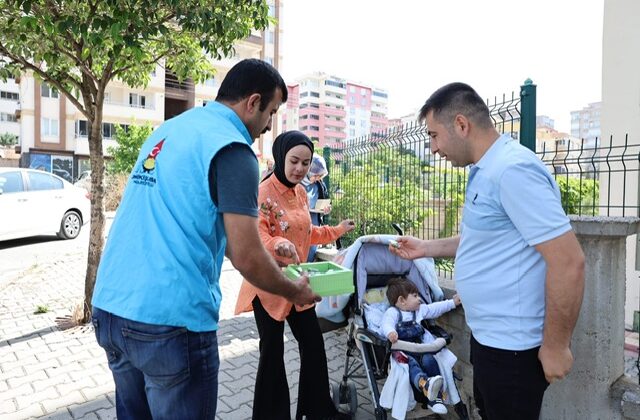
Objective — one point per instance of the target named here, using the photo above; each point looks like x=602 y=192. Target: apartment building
x=9 y=104
x=53 y=134
x=331 y=109
x=585 y=124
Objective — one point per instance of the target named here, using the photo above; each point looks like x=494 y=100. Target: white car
x=34 y=202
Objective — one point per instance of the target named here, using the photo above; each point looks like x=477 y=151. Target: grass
x=41 y=309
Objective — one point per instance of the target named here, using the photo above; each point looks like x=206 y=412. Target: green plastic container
x=325 y=278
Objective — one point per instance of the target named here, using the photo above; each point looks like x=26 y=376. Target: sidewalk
x=45 y=372
x=53 y=374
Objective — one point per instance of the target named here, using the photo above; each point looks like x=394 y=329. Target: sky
x=412 y=47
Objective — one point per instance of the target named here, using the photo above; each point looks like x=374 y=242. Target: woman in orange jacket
x=286 y=231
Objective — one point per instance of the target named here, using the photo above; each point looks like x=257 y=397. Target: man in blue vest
x=519 y=267
x=191 y=199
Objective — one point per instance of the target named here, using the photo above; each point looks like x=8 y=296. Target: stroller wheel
x=335 y=394
x=352 y=396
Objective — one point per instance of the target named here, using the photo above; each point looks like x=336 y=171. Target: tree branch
x=45 y=76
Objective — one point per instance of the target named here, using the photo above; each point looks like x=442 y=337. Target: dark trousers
x=507 y=384
x=271 y=400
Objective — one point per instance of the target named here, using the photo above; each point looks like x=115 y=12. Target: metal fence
x=392 y=177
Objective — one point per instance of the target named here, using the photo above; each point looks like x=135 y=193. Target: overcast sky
x=412 y=47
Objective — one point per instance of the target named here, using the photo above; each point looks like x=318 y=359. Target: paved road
x=50 y=373
x=54 y=374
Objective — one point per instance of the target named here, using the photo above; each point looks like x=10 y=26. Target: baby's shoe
x=437 y=406
x=430 y=387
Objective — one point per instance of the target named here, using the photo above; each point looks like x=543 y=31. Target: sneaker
x=431 y=387
x=437 y=407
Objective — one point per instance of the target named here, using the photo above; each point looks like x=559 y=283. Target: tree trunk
x=96 y=237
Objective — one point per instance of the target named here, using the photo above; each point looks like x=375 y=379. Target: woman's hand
x=393 y=337
x=327 y=209
x=408 y=248
x=348 y=225
x=286 y=249
x=456 y=300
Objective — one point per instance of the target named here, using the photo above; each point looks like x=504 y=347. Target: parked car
x=34 y=202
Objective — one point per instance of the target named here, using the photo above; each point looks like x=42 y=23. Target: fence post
x=326 y=154
x=528 y=115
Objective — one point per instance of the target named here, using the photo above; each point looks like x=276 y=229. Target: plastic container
x=325 y=278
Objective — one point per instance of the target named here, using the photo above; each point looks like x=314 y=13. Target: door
x=14 y=219
x=46 y=201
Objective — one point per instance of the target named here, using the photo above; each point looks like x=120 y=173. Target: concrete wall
x=596 y=387
x=621 y=116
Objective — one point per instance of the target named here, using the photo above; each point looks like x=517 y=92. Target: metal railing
x=392 y=177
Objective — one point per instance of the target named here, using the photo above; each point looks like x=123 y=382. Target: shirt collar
x=492 y=151
x=231 y=115
x=279 y=186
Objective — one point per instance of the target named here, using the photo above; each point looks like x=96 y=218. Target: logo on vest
x=145 y=176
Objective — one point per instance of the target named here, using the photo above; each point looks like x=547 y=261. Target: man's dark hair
x=453 y=99
x=399 y=287
x=252 y=76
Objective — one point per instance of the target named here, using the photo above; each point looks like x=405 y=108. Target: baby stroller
x=373 y=266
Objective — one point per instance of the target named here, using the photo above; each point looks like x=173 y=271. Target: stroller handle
x=397 y=228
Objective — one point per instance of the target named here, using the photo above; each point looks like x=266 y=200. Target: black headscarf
x=281 y=146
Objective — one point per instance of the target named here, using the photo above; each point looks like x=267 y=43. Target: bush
x=113 y=189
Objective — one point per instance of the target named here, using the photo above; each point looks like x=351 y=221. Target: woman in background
x=316 y=190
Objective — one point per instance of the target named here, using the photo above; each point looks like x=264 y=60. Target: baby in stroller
x=402 y=322
x=374 y=266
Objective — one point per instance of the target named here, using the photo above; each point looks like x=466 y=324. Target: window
x=352 y=122
x=11 y=182
x=314 y=105
x=304 y=94
x=334 y=83
x=107 y=97
x=4 y=116
x=352 y=100
x=352 y=132
x=137 y=101
x=42 y=182
x=81 y=128
x=314 y=117
x=269 y=60
x=49 y=127
x=12 y=96
x=363 y=102
x=270 y=37
x=48 y=92
x=314 y=94
x=314 y=128
x=380 y=94
x=108 y=129
x=352 y=89
x=211 y=82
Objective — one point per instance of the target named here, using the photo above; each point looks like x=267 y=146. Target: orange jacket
x=283 y=213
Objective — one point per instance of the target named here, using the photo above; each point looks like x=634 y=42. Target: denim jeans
x=160 y=372
x=422 y=365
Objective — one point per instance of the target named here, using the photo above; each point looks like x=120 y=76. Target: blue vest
x=164 y=252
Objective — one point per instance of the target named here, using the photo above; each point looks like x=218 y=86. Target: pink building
x=331 y=110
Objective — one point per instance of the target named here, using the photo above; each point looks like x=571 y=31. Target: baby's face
x=410 y=303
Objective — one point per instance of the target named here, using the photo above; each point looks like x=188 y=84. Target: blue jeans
x=422 y=365
x=160 y=372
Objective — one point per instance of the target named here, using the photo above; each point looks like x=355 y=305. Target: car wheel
x=70 y=225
